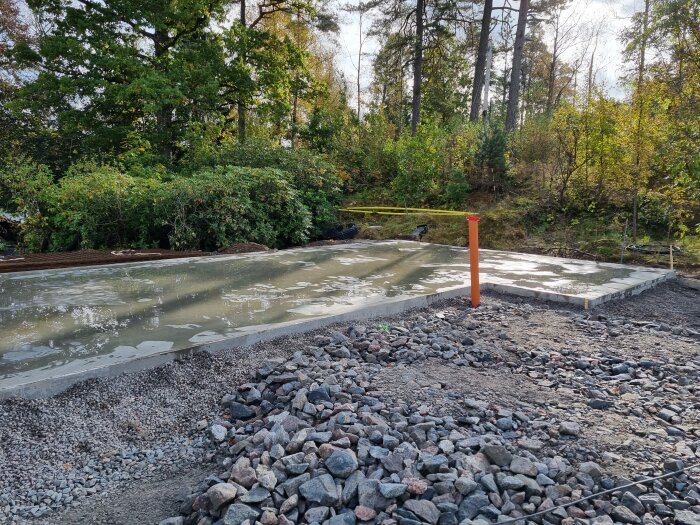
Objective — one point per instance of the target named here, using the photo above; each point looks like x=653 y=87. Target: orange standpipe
x=474 y=259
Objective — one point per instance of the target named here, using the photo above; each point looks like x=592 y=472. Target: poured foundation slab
x=61 y=326
x=574 y=281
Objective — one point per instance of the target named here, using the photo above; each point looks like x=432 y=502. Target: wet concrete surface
x=59 y=322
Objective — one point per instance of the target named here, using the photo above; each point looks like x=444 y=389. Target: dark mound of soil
x=245 y=247
x=42 y=261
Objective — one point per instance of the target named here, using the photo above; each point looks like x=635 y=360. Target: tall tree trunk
x=241 y=106
x=164 y=115
x=640 y=118
x=552 y=73
x=586 y=120
x=400 y=99
x=515 y=73
x=417 y=68
x=480 y=67
x=359 y=69
x=487 y=79
x=295 y=103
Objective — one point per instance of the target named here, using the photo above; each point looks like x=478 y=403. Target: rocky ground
x=513 y=411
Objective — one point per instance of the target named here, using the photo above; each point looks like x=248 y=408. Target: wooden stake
x=474 y=259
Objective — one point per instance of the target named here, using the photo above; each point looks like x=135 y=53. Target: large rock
x=257 y=495
x=392 y=490
x=369 y=495
x=316 y=514
x=237 y=513
x=432 y=464
x=497 y=454
x=625 y=515
x=521 y=465
x=687 y=517
x=631 y=501
x=342 y=463
x=592 y=469
x=569 y=428
x=243 y=474
x=240 y=411
x=465 y=485
x=318 y=395
x=321 y=490
x=217 y=433
x=350 y=486
x=424 y=509
x=471 y=505
x=220 y=494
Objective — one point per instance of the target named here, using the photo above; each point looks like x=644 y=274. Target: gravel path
x=554 y=387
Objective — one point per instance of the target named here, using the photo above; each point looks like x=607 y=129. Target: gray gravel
x=339 y=434
x=103 y=433
x=485 y=405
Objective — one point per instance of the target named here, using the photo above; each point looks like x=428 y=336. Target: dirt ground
x=144 y=501
x=636 y=438
x=43 y=261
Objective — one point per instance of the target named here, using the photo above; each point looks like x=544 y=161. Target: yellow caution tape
x=398 y=210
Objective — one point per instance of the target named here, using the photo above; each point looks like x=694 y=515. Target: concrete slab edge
x=690 y=283
x=48 y=387
x=51 y=386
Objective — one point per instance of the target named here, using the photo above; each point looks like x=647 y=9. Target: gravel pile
x=314 y=439
x=444 y=415
x=56 y=453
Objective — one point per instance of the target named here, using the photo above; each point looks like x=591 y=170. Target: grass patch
x=520 y=224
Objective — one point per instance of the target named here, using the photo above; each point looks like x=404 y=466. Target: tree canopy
x=449 y=99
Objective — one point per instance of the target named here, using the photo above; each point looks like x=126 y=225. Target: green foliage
x=153 y=78
x=431 y=167
x=457 y=190
x=417 y=164
x=315 y=179
x=27 y=189
x=218 y=207
x=323 y=130
x=492 y=157
x=363 y=157
x=101 y=207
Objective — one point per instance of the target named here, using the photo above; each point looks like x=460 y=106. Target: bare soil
x=141 y=502
x=43 y=261
x=638 y=440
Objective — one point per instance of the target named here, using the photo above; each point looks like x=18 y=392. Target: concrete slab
x=573 y=281
x=62 y=326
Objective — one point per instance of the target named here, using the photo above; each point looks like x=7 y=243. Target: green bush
x=315 y=179
x=101 y=207
x=95 y=206
x=417 y=164
x=221 y=206
x=492 y=157
x=456 y=193
x=27 y=188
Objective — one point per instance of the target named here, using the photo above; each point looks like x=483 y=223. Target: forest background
x=197 y=124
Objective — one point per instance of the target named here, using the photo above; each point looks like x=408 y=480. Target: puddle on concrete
x=52 y=319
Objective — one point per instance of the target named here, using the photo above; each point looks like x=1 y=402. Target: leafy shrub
x=457 y=190
x=432 y=166
x=492 y=157
x=221 y=206
x=417 y=164
x=315 y=179
x=97 y=206
x=101 y=207
x=27 y=189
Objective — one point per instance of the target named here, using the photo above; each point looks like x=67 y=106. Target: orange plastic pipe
x=474 y=259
